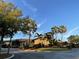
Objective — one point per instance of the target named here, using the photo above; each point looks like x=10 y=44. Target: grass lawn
x=52 y=49
x=3 y=56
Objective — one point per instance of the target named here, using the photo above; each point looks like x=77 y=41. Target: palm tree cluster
x=47 y=35
x=58 y=29
x=52 y=36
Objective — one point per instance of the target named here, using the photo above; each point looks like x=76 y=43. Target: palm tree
x=62 y=29
x=55 y=31
x=48 y=35
x=39 y=35
x=28 y=27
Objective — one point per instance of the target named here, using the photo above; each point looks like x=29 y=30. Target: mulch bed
x=3 y=56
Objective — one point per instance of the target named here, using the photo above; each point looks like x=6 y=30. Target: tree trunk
x=1 y=42
x=55 y=36
x=9 y=46
x=52 y=37
x=61 y=37
x=29 y=38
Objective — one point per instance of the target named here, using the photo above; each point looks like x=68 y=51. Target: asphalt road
x=73 y=54
x=28 y=56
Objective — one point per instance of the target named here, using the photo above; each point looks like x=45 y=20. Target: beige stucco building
x=44 y=41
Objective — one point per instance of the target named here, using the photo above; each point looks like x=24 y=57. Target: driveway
x=73 y=54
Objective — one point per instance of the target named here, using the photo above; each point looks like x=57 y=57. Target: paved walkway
x=15 y=50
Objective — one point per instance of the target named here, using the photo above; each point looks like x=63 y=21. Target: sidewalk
x=16 y=50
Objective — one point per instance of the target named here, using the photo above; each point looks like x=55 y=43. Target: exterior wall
x=37 y=41
x=42 y=41
x=45 y=42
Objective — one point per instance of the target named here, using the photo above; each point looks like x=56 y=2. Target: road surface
x=73 y=54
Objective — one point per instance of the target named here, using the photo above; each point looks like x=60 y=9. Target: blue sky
x=48 y=13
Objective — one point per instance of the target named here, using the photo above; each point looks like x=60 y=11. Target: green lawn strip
x=52 y=49
x=3 y=56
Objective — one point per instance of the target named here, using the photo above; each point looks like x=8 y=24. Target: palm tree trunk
x=55 y=36
x=61 y=39
x=52 y=36
x=61 y=36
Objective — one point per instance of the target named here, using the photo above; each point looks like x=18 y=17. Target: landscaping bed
x=52 y=49
x=3 y=56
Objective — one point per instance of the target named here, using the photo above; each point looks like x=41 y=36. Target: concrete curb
x=10 y=57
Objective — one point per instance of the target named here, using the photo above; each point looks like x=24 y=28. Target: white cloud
x=71 y=32
x=40 y=24
x=29 y=6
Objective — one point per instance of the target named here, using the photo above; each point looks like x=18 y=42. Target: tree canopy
x=11 y=21
x=8 y=18
x=58 y=29
x=73 y=39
